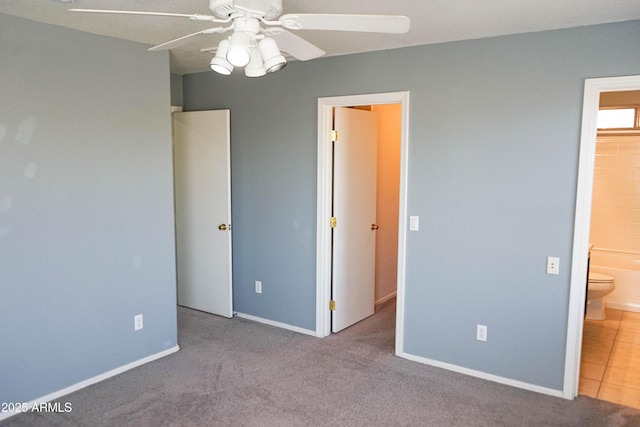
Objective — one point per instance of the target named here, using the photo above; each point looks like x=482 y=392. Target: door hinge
x=334 y=135
x=332 y=305
x=333 y=222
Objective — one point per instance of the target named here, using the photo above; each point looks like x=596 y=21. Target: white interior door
x=203 y=210
x=354 y=207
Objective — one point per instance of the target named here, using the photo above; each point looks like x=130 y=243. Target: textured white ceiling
x=432 y=21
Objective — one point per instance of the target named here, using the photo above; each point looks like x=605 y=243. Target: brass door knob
x=222 y=227
x=374 y=226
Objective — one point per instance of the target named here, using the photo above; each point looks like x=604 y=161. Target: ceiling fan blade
x=181 y=40
x=295 y=46
x=366 y=23
x=194 y=17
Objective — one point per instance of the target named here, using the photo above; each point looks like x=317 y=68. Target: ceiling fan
x=259 y=32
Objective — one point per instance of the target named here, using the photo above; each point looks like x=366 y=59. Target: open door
x=354 y=207
x=201 y=141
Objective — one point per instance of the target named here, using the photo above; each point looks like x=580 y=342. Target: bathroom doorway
x=609 y=367
x=582 y=227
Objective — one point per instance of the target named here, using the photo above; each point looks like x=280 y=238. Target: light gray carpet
x=240 y=373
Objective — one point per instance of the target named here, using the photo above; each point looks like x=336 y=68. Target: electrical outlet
x=553 y=265
x=258 y=287
x=137 y=322
x=481 y=333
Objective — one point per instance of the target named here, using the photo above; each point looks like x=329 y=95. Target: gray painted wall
x=176 y=90
x=86 y=207
x=494 y=138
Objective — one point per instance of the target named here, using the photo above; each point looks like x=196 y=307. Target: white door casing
x=323 y=230
x=203 y=210
x=582 y=223
x=354 y=207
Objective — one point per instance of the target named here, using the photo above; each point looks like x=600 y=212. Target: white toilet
x=599 y=285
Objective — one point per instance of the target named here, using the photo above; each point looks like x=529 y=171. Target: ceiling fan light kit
x=255 y=48
x=243 y=49
x=273 y=59
x=255 y=67
x=219 y=62
x=238 y=54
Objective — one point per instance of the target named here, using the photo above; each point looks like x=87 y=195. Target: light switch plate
x=138 y=322
x=414 y=223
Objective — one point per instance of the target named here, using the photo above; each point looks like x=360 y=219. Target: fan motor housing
x=267 y=9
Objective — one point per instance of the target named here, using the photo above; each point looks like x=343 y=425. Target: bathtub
x=624 y=267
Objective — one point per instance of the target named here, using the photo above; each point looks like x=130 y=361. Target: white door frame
x=582 y=224
x=323 y=241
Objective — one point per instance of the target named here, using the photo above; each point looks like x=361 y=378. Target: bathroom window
x=618 y=118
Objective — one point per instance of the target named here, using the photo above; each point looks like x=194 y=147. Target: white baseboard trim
x=483 y=375
x=277 y=324
x=382 y=300
x=90 y=381
x=629 y=306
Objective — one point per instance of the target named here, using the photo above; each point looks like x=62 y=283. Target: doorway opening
x=582 y=224
x=364 y=228
x=610 y=340
x=326 y=108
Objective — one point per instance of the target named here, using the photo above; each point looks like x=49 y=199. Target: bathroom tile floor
x=610 y=365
